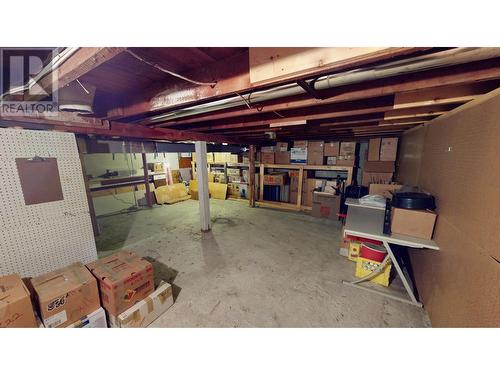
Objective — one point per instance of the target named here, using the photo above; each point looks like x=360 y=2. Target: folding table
x=367 y=222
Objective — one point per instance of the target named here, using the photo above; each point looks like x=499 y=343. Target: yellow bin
x=366 y=266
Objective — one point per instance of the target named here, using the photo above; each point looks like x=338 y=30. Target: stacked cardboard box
x=65 y=295
x=16 y=310
x=315 y=152
x=124 y=279
x=276 y=179
x=282 y=155
x=267 y=157
x=298 y=153
x=380 y=164
x=347 y=154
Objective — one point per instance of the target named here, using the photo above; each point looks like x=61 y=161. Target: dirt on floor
x=257 y=267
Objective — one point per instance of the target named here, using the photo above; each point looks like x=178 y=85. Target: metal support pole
x=202 y=177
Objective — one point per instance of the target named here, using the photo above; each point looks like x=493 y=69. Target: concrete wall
x=456 y=158
x=126 y=165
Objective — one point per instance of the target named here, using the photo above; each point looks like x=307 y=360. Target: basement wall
x=456 y=157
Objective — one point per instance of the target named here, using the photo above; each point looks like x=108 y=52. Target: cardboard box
x=379 y=166
x=233 y=158
x=298 y=155
x=347 y=149
x=276 y=179
x=308 y=186
x=383 y=189
x=16 y=310
x=222 y=157
x=210 y=157
x=293 y=196
x=282 y=157
x=97 y=319
x=267 y=157
x=388 y=149
x=332 y=148
x=158 y=167
x=346 y=160
x=415 y=223
x=374 y=149
x=281 y=146
x=376 y=178
x=144 y=312
x=300 y=144
x=233 y=189
x=268 y=149
x=325 y=205
x=66 y=295
x=331 y=160
x=124 y=278
x=233 y=172
x=315 y=152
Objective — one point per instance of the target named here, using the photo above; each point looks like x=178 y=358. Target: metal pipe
x=451 y=57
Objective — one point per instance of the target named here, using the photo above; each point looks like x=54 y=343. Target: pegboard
x=39 y=238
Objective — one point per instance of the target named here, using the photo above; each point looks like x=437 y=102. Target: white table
x=368 y=222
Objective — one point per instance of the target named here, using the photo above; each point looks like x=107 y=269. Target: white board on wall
x=39 y=238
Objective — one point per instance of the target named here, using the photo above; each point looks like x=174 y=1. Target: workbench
x=368 y=222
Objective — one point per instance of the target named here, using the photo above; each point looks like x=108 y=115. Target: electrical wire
x=154 y=65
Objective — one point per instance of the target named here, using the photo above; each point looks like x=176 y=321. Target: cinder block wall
x=457 y=158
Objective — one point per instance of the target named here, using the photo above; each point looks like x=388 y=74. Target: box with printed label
x=124 y=278
x=298 y=155
x=325 y=205
x=144 y=312
x=388 y=149
x=66 y=295
x=267 y=157
x=281 y=146
x=97 y=319
x=332 y=148
x=300 y=144
x=276 y=179
x=16 y=310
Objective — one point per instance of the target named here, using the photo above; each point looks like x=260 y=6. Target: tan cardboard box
x=347 y=148
x=388 y=149
x=276 y=179
x=16 y=310
x=144 y=312
x=282 y=157
x=325 y=205
x=376 y=178
x=65 y=295
x=346 y=160
x=383 y=189
x=267 y=157
x=379 y=166
x=315 y=152
x=415 y=223
x=300 y=144
x=332 y=148
x=233 y=158
x=124 y=278
x=374 y=149
x=308 y=185
x=281 y=146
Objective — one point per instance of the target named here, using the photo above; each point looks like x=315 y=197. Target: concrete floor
x=257 y=268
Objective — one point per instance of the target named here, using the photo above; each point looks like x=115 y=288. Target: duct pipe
x=442 y=59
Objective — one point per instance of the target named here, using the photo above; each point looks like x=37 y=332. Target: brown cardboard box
x=282 y=157
x=332 y=148
x=388 y=149
x=383 y=189
x=293 y=196
x=379 y=166
x=16 y=310
x=331 y=160
x=315 y=152
x=66 y=295
x=374 y=149
x=267 y=157
x=281 y=146
x=124 y=278
x=347 y=149
x=276 y=179
x=376 y=178
x=300 y=144
x=308 y=185
x=346 y=160
x=233 y=172
x=415 y=223
x=325 y=205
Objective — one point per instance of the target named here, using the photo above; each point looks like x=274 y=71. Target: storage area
x=203 y=187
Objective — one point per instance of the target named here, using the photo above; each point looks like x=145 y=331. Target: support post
x=202 y=177
x=251 y=176
x=146 y=181
x=93 y=217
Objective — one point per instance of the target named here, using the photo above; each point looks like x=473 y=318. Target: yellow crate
x=365 y=266
x=354 y=248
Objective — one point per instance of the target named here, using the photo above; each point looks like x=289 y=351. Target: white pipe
x=416 y=64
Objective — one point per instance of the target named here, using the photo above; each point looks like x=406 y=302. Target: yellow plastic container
x=366 y=266
x=354 y=248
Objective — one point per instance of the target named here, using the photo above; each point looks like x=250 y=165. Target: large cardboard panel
x=459 y=166
x=374 y=149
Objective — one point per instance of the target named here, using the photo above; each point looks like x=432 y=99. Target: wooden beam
x=251 y=176
x=114 y=129
x=232 y=76
x=474 y=76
